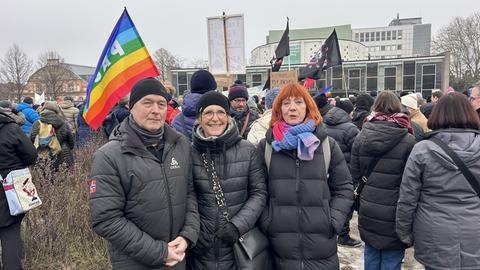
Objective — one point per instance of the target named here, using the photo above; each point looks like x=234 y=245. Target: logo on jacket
x=174 y=164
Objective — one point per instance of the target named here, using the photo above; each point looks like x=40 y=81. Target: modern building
x=67 y=79
x=401 y=38
x=304 y=43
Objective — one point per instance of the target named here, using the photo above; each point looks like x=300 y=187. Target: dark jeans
x=346 y=227
x=11 y=247
x=376 y=259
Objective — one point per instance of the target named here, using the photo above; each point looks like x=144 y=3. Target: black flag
x=282 y=50
x=327 y=56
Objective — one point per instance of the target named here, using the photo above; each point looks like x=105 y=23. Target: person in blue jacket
x=30 y=114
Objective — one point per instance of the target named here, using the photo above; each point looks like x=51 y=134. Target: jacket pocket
x=267 y=217
x=326 y=209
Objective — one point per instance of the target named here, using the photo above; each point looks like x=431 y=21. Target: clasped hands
x=176 y=251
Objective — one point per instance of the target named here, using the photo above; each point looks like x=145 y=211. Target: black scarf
x=147 y=137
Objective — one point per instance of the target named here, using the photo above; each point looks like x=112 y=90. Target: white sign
x=226 y=58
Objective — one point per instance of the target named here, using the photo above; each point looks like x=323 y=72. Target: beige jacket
x=418 y=117
x=71 y=114
x=260 y=127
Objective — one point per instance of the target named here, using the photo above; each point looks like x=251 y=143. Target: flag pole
x=225 y=42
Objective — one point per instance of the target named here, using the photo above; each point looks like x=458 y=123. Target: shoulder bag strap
x=268 y=155
x=327 y=155
x=465 y=171
x=217 y=188
x=365 y=176
x=245 y=124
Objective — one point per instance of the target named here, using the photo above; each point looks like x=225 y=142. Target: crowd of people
x=179 y=184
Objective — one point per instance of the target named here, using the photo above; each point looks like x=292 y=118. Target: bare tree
x=198 y=63
x=15 y=70
x=461 y=37
x=165 y=61
x=52 y=74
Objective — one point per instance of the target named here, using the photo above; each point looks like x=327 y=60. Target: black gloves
x=228 y=233
x=14 y=111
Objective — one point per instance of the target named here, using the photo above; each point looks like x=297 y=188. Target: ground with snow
x=352 y=258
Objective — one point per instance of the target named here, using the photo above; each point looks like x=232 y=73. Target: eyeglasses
x=209 y=115
x=240 y=100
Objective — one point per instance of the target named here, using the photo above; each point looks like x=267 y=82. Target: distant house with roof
x=60 y=79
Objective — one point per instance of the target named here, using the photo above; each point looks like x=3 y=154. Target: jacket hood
x=465 y=143
x=216 y=144
x=5 y=119
x=67 y=104
x=379 y=137
x=264 y=121
x=22 y=106
x=190 y=103
x=336 y=116
x=50 y=117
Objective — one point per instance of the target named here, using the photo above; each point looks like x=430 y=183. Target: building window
x=372 y=36
x=389 y=35
x=399 y=34
x=399 y=47
x=367 y=37
x=337 y=77
x=390 y=79
x=242 y=77
x=383 y=35
x=372 y=70
x=377 y=36
x=428 y=76
x=182 y=82
x=394 y=35
x=256 y=79
x=357 y=37
x=409 y=75
x=382 y=48
x=354 y=79
x=362 y=37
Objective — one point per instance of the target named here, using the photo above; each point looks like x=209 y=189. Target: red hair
x=295 y=90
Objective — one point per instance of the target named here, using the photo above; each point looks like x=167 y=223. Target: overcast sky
x=78 y=30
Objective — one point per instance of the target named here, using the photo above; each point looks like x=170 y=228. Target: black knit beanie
x=147 y=86
x=202 y=81
x=212 y=98
x=238 y=91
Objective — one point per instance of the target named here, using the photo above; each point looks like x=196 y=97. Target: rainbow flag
x=123 y=62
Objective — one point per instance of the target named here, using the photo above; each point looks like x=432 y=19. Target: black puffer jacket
x=378 y=200
x=140 y=203
x=16 y=152
x=305 y=210
x=241 y=175
x=340 y=127
x=358 y=116
x=240 y=118
x=64 y=136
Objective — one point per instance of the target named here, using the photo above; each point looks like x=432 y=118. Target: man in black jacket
x=17 y=152
x=142 y=198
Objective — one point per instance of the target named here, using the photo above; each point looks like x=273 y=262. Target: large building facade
x=401 y=38
x=67 y=79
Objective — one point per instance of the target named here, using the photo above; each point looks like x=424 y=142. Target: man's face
x=475 y=98
x=238 y=104
x=150 y=112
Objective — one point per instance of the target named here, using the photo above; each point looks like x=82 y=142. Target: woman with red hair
x=310 y=188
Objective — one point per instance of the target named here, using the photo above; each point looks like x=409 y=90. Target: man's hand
x=177 y=247
x=173 y=257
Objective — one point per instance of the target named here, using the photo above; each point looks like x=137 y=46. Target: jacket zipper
x=297 y=189
x=169 y=199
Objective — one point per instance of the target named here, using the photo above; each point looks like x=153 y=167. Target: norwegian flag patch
x=93 y=186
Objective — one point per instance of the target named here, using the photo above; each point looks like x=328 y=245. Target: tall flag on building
x=124 y=61
x=328 y=56
x=282 y=50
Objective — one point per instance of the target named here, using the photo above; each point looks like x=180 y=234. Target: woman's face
x=294 y=110
x=213 y=120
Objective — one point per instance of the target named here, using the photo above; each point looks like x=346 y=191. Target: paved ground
x=352 y=258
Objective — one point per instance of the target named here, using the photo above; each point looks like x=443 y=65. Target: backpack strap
x=460 y=164
x=268 y=155
x=327 y=155
x=365 y=176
